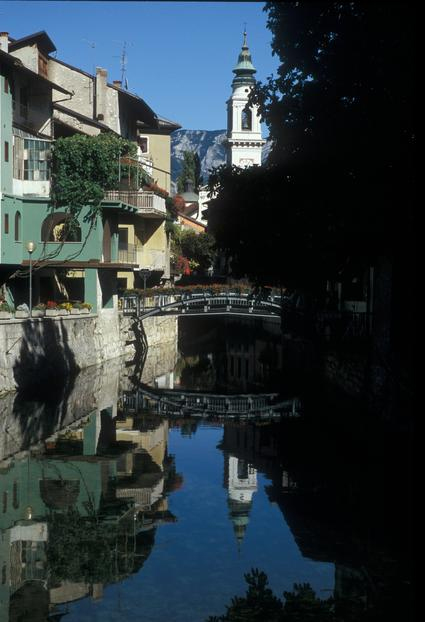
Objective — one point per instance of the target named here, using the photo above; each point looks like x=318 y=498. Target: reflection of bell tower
x=244 y=142
x=240 y=479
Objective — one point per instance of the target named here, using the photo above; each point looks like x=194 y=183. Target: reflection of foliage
x=199 y=375
x=301 y=605
x=84 y=549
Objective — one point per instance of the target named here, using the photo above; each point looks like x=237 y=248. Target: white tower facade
x=244 y=142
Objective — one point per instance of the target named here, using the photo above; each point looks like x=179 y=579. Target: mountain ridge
x=208 y=144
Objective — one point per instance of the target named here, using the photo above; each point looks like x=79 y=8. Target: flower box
x=63 y=312
x=5 y=315
x=52 y=312
x=20 y=315
x=84 y=310
x=75 y=311
x=38 y=312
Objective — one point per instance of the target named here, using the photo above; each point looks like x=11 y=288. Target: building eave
x=17 y=65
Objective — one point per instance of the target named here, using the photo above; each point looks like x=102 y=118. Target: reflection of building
x=253 y=361
x=83 y=514
x=240 y=479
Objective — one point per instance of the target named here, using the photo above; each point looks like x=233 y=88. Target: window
x=31 y=159
x=230 y=118
x=6 y=223
x=6 y=85
x=6 y=151
x=246 y=119
x=15 y=501
x=143 y=144
x=42 y=65
x=17 y=227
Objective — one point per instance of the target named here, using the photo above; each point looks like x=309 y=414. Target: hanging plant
x=84 y=167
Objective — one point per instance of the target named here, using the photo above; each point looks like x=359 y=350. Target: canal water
x=111 y=511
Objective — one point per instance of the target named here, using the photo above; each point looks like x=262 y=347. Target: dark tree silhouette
x=339 y=183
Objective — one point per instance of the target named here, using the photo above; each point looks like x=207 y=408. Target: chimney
x=117 y=83
x=4 y=41
x=101 y=86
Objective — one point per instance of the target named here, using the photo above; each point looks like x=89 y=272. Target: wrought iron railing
x=128 y=253
x=146 y=201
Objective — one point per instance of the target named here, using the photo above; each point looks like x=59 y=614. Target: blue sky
x=180 y=55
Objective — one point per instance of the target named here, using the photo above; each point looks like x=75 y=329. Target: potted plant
x=39 y=310
x=22 y=311
x=76 y=308
x=5 y=310
x=86 y=307
x=64 y=308
x=52 y=309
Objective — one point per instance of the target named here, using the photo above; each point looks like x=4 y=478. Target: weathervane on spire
x=244 y=34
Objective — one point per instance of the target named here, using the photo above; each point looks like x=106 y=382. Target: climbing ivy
x=84 y=167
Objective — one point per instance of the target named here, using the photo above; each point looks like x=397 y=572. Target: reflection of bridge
x=175 y=402
x=201 y=304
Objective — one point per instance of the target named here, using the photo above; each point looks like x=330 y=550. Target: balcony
x=129 y=253
x=147 y=203
x=153 y=260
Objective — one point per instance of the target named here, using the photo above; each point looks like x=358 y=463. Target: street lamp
x=30 y=246
x=144 y=272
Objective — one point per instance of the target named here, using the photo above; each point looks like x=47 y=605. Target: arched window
x=18 y=227
x=59 y=227
x=246 y=119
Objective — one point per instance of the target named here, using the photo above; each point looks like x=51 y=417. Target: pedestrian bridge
x=201 y=304
x=182 y=402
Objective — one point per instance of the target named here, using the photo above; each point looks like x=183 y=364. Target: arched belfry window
x=59 y=227
x=18 y=227
x=246 y=119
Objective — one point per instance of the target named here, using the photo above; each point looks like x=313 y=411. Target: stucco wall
x=160 y=152
x=79 y=83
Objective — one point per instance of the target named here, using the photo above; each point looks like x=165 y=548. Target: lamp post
x=144 y=272
x=30 y=246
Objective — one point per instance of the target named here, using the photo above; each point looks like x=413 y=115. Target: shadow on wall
x=44 y=356
x=44 y=373
x=140 y=343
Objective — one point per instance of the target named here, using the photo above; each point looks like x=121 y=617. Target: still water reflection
x=112 y=514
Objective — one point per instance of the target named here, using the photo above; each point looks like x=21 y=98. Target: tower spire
x=244 y=70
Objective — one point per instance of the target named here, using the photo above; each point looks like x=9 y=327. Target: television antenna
x=92 y=44
x=123 y=62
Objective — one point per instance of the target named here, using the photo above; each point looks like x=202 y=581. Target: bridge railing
x=130 y=304
x=179 y=402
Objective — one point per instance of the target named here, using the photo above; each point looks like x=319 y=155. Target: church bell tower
x=244 y=142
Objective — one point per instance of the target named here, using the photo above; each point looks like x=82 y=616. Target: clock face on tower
x=246 y=162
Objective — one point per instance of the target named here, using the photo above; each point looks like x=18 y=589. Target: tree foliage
x=191 y=170
x=198 y=248
x=339 y=182
x=84 y=167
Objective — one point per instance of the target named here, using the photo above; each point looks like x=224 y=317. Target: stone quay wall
x=40 y=349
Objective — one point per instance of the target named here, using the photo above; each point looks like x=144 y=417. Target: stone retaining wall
x=38 y=350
